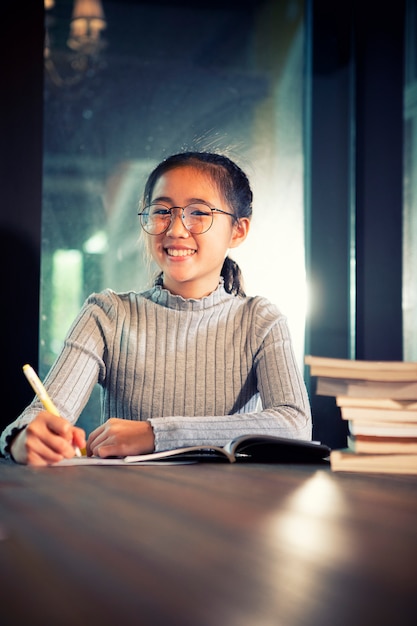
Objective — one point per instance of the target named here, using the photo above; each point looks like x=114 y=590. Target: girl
x=185 y=362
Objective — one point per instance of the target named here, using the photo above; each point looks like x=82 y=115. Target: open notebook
x=243 y=449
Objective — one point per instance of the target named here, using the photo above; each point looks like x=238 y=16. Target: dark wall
x=354 y=197
x=21 y=49
x=379 y=181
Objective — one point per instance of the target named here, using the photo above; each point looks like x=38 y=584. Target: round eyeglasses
x=197 y=218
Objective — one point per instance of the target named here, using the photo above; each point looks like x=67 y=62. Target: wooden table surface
x=206 y=544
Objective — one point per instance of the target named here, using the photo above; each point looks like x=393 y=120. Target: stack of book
x=379 y=401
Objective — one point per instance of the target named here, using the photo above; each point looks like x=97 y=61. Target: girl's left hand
x=118 y=437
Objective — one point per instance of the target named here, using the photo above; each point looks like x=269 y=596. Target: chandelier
x=68 y=64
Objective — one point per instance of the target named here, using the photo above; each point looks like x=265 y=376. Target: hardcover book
x=362 y=370
x=394 y=390
x=350 y=461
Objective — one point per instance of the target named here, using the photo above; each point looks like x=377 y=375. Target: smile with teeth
x=181 y=252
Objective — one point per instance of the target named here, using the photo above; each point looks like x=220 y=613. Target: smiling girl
x=190 y=361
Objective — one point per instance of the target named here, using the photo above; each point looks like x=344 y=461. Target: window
x=172 y=76
x=410 y=189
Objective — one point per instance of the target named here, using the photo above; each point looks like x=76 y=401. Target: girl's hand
x=46 y=440
x=118 y=437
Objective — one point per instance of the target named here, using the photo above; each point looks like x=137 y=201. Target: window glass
x=410 y=189
x=160 y=78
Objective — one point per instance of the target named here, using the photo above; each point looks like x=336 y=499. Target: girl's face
x=191 y=264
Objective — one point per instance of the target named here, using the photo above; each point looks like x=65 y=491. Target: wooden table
x=208 y=544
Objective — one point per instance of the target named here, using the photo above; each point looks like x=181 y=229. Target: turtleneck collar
x=162 y=296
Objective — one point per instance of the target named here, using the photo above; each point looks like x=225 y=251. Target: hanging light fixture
x=86 y=25
x=83 y=46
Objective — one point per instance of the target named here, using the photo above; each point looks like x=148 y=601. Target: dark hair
x=233 y=184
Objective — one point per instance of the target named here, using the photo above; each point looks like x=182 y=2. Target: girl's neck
x=191 y=290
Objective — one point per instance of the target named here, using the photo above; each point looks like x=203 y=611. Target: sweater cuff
x=8 y=441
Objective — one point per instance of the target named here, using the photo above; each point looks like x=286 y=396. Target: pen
x=40 y=391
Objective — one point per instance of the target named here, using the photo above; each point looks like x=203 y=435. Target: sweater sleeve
x=285 y=409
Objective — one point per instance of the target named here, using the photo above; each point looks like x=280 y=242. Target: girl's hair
x=232 y=183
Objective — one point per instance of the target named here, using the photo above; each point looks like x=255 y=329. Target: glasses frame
x=171 y=209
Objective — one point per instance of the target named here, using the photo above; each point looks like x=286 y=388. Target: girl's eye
x=199 y=210
x=159 y=210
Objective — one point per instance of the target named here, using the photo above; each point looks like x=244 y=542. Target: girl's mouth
x=179 y=252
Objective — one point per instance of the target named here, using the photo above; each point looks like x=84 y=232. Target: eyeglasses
x=197 y=218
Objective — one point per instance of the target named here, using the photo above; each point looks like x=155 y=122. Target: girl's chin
x=177 y=278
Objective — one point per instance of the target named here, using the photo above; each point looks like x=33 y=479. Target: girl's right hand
x=46 y=440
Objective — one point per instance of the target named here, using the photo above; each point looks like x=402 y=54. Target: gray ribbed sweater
x=194 y=368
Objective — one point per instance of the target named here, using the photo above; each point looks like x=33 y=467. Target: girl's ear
x=240 y=232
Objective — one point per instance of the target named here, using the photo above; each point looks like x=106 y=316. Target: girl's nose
x=176 y=227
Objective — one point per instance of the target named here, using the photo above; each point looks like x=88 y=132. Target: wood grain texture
x=206 y=544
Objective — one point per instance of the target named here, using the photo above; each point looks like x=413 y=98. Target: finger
x=37 y=460
x=95 y=433
x=104 y=451
x=78 y=437
x=56 y=424
x=40 y=439
x=96 y=438
x=98 y=443
x=38 y=453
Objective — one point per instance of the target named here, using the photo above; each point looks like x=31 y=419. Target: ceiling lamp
x=86 y=25
x=69 y=62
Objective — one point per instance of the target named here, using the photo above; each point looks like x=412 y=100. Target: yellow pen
x=40 y=391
